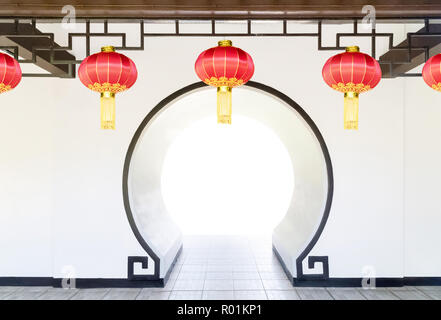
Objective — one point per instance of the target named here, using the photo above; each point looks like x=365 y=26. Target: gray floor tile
x=189 y=285
x=245 y=268
x=435 y=294
x=185 y=295
x=405 y=288
x=282 y=295
x=145 y=294
x=196 y=275
x=313 y=294
x=246 y=275
x=410 y=295
x=193 y=268
x=269 y=268
x=158 y=295
x=218 y=284
x=218 y=295
x=219 y=268
x=248 y=285
x=9 y=288
x=150 y=294
x=4 y=295
x=273 y=276
x=6 y=291
x=378 y=294
x=90 y=294
x=58 y=294
x=219 y=275
x=220 y=262
x=346 y=294
x=244 y=262
x=428 y=288
x=268 y=260
x=250 y=295
x=27 y=293
x=195 y=262
x=277 y=285
x=122 y=294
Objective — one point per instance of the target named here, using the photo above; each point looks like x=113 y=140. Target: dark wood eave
x=230 y=9
x=27 y=42
x=403 y=61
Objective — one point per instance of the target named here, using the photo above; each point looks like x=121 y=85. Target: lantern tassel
x=107 y=110
x=351 y=111
x=224 y=101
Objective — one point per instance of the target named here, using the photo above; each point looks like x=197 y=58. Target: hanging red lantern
x=224 y=67
x=351 y=72
x=432 y=72
x=10 y=72
x=108 y=73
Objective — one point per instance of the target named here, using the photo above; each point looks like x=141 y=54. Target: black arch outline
x=312 y=260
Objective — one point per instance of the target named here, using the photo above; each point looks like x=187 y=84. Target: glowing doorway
x=227 y=179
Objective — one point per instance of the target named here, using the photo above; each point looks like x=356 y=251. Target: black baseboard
x=422 y=281
x=79 y=283
x=379 y=282
x=87 y=283
x=125 y=283
x=26 y=281
x=348 y=282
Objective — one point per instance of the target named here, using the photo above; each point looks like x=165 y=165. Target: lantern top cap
x=225 y=43
x=352 y=49
x=108 y=49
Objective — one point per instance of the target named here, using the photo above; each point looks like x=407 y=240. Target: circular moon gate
x=300 y=229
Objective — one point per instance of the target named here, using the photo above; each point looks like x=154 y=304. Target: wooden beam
x=402 y=61
x=265 y=9
x=26 y=38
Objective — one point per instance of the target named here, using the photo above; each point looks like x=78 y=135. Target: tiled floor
x=225 y=268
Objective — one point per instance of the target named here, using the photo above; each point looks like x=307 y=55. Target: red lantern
x=351 y=72
x=432 y=72
x=108 y=73
x=224 y=67
x=10 y=72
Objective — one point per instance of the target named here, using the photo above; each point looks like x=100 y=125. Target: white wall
x=26 y=179
x=422 y=175
x=61 y=175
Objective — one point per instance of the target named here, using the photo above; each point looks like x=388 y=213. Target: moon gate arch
x=293 y=238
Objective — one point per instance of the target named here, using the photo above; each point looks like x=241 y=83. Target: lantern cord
x=351 y=111
x=224 y=102
x=107 y=110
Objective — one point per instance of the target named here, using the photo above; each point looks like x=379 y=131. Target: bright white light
x=227 y=179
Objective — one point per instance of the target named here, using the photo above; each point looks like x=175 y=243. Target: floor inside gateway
x=225 y=268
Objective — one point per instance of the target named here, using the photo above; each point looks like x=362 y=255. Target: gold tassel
x=107 y=110
x=351 y=110
x=224 y=99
